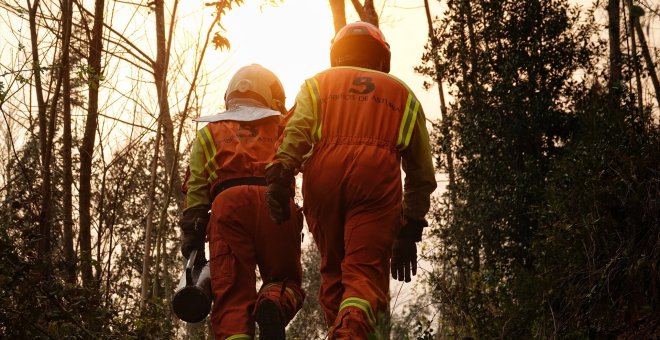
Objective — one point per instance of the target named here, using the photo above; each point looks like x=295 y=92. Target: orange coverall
x=241 y=233
x=350 y=131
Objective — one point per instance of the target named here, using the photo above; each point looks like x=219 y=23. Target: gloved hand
x=404 y=260
x=278 y=194
x=404 y=250
x=193 y=230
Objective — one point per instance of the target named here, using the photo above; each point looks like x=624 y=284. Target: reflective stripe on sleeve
x=239 y=336
x=206 y=140
x=408 y=122
x=313 y=87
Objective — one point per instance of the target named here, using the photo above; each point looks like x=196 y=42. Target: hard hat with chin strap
x=361 y=44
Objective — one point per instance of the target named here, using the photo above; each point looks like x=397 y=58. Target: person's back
x=364 y=115
x=240 y=149
x=227 y=176
x=353 y=128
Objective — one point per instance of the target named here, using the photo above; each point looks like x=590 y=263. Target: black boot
x=269 y=319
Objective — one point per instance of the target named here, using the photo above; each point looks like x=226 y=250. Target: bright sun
x=292 y=39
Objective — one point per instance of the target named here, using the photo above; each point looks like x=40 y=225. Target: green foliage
x=90 y=76
x=309 y=323
x=36 y=306
x=555 y=225
x=603 y=218
x=414 y=321
x=46 y=307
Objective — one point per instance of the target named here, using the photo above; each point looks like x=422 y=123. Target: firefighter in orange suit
x=226 y=176
x=352 y=129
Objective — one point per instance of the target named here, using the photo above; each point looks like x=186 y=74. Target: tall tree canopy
x=556 y=197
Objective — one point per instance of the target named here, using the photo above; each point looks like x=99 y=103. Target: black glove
x=412 y=230
x=404 y=250
x=404 y=260
x=278 y=194
x=193 y=230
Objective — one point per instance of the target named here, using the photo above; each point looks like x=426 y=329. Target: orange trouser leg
x=353 y=212
x=242 y=236
x=365 y=271
x=355 y=286
x=328 y=237
x=278 y=257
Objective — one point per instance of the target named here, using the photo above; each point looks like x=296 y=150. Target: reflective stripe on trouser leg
x=365 y=270
x=287 y=295
x=239 y=337
x=355 y=321
x=363 y=305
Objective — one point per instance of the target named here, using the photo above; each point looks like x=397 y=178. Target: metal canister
x=192 y=299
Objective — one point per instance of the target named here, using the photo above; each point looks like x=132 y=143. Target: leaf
x=220 y=41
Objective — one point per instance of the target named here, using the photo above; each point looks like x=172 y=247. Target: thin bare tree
x=614 y=31
x=43 y=249
x=67 y=234
x=634 y=58
x=94 y=74
x=444 y=115
x=338 y=8
x=366 y=11
x=637 y=12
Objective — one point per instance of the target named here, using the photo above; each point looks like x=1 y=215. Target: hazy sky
x=293 y=40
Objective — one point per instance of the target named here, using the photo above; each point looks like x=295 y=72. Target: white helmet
x=256 y=85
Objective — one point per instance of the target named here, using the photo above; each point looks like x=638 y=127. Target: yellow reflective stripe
x=239 y=336
x=408 y=122
x=362 y=304
x=201 y=135
x=288 y=290
x=313 y=87
x=206 y=140
x=292 y=295
x=269 y=285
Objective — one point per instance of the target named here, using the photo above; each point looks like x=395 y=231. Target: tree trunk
x=367 y=12
x=36 y=69
x=338 y=14
x=160 y=77
x=473 y=48
x=100 y=220
x=476 y=259
x=635 y=61
x=87 y=148
x=43 y=247
x=165 y=123
x=614 y=30
x=444 y=116
x=465 y=250
x=159 y=251
x=649 y=61
x=146 y=260
x=67 y=233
